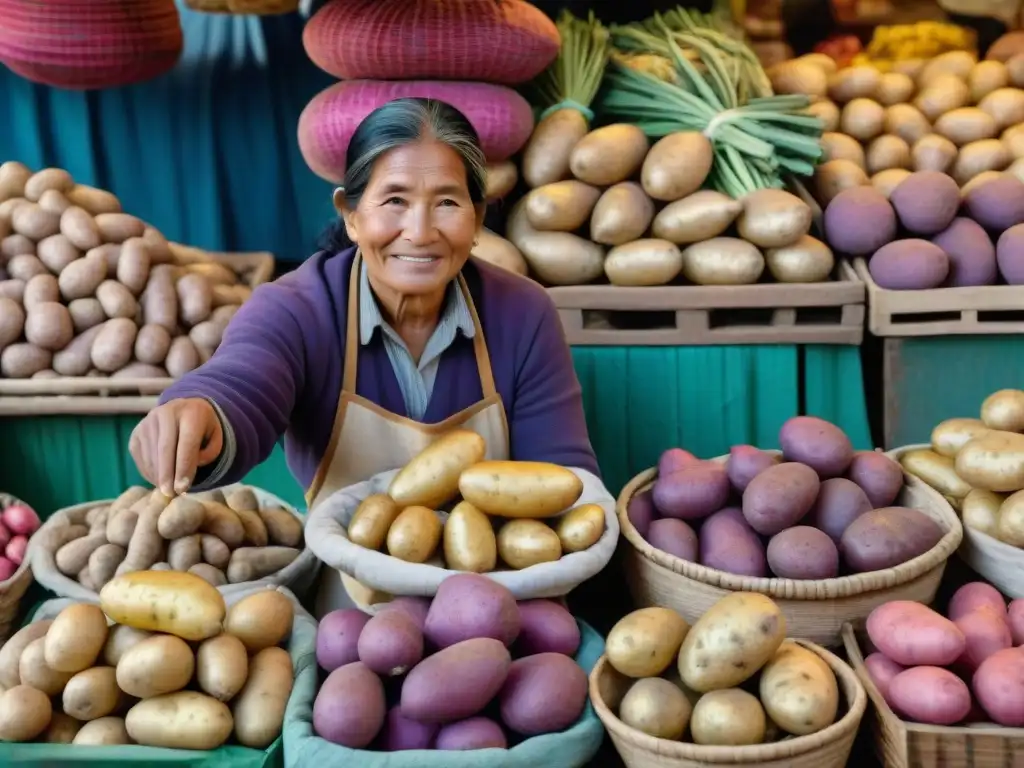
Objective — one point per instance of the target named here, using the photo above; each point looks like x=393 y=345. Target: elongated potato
x=469 y=542
x=120 y=639
x=253 y=563
x=11 y=651
x=62 y=728
x=697 y=217
x=180 y=604
x=951 y=435
x=432 y=477
x=223 y=522
x=501 y=179
x=259 y=708
x=557 y=258
x=91 y=694
x=222 y=665
x=937 y=471
x=722 y=261
x=677 y=165
x=372 y=519
x=283 y=528
x=622 y=214
x=76 y=637
x=980 y=511
x=643 y=263
x=561 y=207
x=182 y=517
x=524 y=543
x=547 y=153
x=993 y=461
x=581 y=528
x=414 y=535
x=33 y=670
x=608 y=155
x=799 y=690
x=105 y=731
x=182 y=720
x=645 y=642
x=157 y=665
x=1010 y=523
x=1004 y=410
x=520 y=488
x=261 y=620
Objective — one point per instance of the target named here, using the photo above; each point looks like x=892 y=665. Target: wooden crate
x=974 y=310
x=702 y=315
x=95 y=395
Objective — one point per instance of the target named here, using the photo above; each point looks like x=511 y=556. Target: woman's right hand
x=174 y=440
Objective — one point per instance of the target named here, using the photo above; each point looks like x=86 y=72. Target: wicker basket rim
x=751 y=754
x=797 y=589
x=852 y=647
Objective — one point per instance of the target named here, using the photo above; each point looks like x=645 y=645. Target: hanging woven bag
x=89 y=45
x=502 y=118
x=494 y=41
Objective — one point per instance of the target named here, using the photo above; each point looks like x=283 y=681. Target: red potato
x=20 y=519
x=930 y=695
x=885 y=538
x=1015 y=615
x=913 y=634
x=474 y=733
x=839 y=503
x=674 y=537
x=401 y=733
x=547 y=627
x=780 y=497
x=458 y=681
x=692 y=491
x=337 y=638
x=469 y=606
x=986 y=632
x=349 y=708
x=415 y=607
x=970 y=597
x=673 y=459
x=822 y=446
x=746 y=462
x=728 y=543
x=390 y=644
x=543 y=694
x=999 y=687
x=641 y=512
x=5 y=536
x=7 y=569
x=881 y=669
x=803 y=552
x=16 y=549
x=879 y=477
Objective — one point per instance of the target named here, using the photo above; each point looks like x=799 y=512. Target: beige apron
x=367 y=440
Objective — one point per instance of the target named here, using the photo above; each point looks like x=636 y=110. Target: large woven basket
x=814 y=609
x=999 y=563
x=901 y=744
x=828 y=748
x=12 y=590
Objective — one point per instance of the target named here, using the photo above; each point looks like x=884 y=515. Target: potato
x=799 y=690
x=894 y=88
x=222 y=666
x=676 y=166
x=469 y=734
x=261 y=619
x=557 y=258
x=155 y=666
x=86 y=314
x=469 y=605
x=563 y=206
x=694 y=218
x=523 y=543
x=862 y=118
x=839 y=503
x=146 y=547
x=951 y=435
x=184 y=516
x=840 y=146
x=967 y=124
x=913 y=634
x=120 y=640
x=75 y=638
x=853 y=82
x=92 y=693
x=501 y=179
x=881 y=669
x=543 y=693
x=75 y=359
x=803 y=552
x=40 y=290
x=496 y=250
x=24 y=713
x=608 y=155
x=210 y=574
x=1004 y=410
x=160 y=300
x=12 y=650
x=48 y=325
x=12 y=321
x=622 y=214
x=986 y=631
x=74 y=556
x=259 y=709
x=993 y=461
x=547 y=627
x=432 y=477
x=943 y=94
x=104 y=731
x=885 y=538
x=728 y=543
x=656 y=707
x=33 y=670
x=372 y=519
x=827 y=112
x=391 y=643
x=980 y=510
x=1010 y=521
x=722 y=261
x=645 y=642
x=799 y=76
x=62 y=728
x=116 y=300
x=224 y=523
x=997 y=686
x=520 y=488
x=808 y=260
x=834 y=176
x=56 y=252
x=181 y=604
x=980 y=156
x=21 y=265
x=1005 y=106
x=182 y=720
x=283 y=528
x=35 y=222
x=931 y=695
x=81 y=278
x=338 y=637
x=731 y=641
x=182 y=356
x=414 y=535
x=187 y=551
x=47 y=179
x=469 y=541
x=773 y=218
x=580 y=528
x=113 y=346
x=887 y=152
x=644 y=262
x=350 y=707
x=937 y=471
x=745 y=463
x=13 y=177
x=434 y=692
x=780 y=497
x=121 y=526
x=728 y=717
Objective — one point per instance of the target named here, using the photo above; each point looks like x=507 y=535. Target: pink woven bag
x=495 y=41
x=501 y=116
x=92 y=44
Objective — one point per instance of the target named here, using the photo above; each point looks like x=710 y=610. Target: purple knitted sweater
x=278 y=370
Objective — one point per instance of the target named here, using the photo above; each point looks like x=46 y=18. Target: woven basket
x=828 y=748
x=208 y=6
x=12 y=590
x=262 y=7
x=901 y=744
x=814 y=609
x=114 y=43
x=999 y=563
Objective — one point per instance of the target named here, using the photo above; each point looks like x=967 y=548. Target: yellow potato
x=731 y=641
x=728 y=718
x=180 y=604
x=980 y=510
x=182 y=720
x=261 y=620
x=120 y=638
x=372 y=519
x=563 y=206
x=222 y=666
x=609 y=154
x=531 y=489
x=469 y=542
x=937 y=471
x=1004 y=410
x=799 y=690
x=182 y=517
x=91 y=694
x=33 y=670
x=24 y=713
x=522 y=543
x=12 y=650
x=677 y=165
x=993 y=461
x=580 y=528
x=722 y=261
x=414 y=535
x=1010 y=523
x=159 y=664
x=62 y=729
x=106 y=731
x=950 y=436
x=645 y=262
x=432 y=477
x=656 y=707
x=259 y=709
x=645 y=642
x=75 y=638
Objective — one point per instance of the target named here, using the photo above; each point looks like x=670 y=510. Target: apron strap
x=483 y=358
x=348 y=377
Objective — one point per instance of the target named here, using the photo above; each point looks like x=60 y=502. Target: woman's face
x=415 y=223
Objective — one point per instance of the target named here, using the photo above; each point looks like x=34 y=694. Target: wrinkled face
x=416 y=223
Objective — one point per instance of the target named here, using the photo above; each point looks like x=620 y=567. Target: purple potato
x=803 y=552
x=728 y=543
x=349 y=708
x=641 y=512
x=674 y=537
x=926 y=201
x=456 y=682
x=401 y=733
x=673 y=459
x=879 y=477
x=416 y=608
x=909 y=265
x=391 y=644
x=780 y=497
x=839 y=503
x=693 y=491
x=972 y=256
x=547 y=627
x=997 y=204
x=337 y=638
x=474 y=733
x=543 y=694
x=469 y=606
x=746 y=462
x=1010 y=255
x=859 y=221
x=819 y=444
x=884 y=538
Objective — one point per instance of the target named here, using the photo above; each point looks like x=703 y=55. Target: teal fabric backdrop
x=207 y=153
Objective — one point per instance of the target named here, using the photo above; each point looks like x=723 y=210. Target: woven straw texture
x=828 y=748
x=89 y=45
x=999 y=563
x=12 y=590
x=506 y=42
x=815 y=609
x=501 y=117
x=902 y=744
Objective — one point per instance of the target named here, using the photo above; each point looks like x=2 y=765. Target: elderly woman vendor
x=366 y=354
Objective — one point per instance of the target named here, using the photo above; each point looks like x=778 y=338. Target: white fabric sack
x=326 y=535
x=299 y=576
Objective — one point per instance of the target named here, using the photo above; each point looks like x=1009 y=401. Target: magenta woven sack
x=91 y=44
x=501 y=116
x=494 y=41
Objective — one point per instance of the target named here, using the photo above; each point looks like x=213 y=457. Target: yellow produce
x=939 y=472
x=75 y=638
x=1004 y=410
x=222 y=666
x=799 y=690
x=92 y=693
x=515 y=489
x=645 y=642
x=730 y=717
x=372 y=519
x=160 y=664
x=179 y=604
x=580 y=528
x=259 y=709
x=469 y=542
x=951 y=435
x=432 y=477
x=414 y=535
x=656 y=707
x=523 y=543
x=24 y=713
x=1010 y=523
x=993 y=461
x=182 y=720
x=261 y=620
x=980 y=510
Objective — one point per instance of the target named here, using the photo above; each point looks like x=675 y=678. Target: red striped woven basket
x=501 y=117
x=92 y=44
x=494 y=41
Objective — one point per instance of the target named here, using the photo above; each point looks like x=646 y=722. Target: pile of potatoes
x=88 y=290
x=978 y=465
x=732 y=679
x=816 y=512
x=931 y=234
x=221 y=538
x=637 y=215
x=439 y=673
x=175 y=669
x=927 y=666
x=504 y=511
